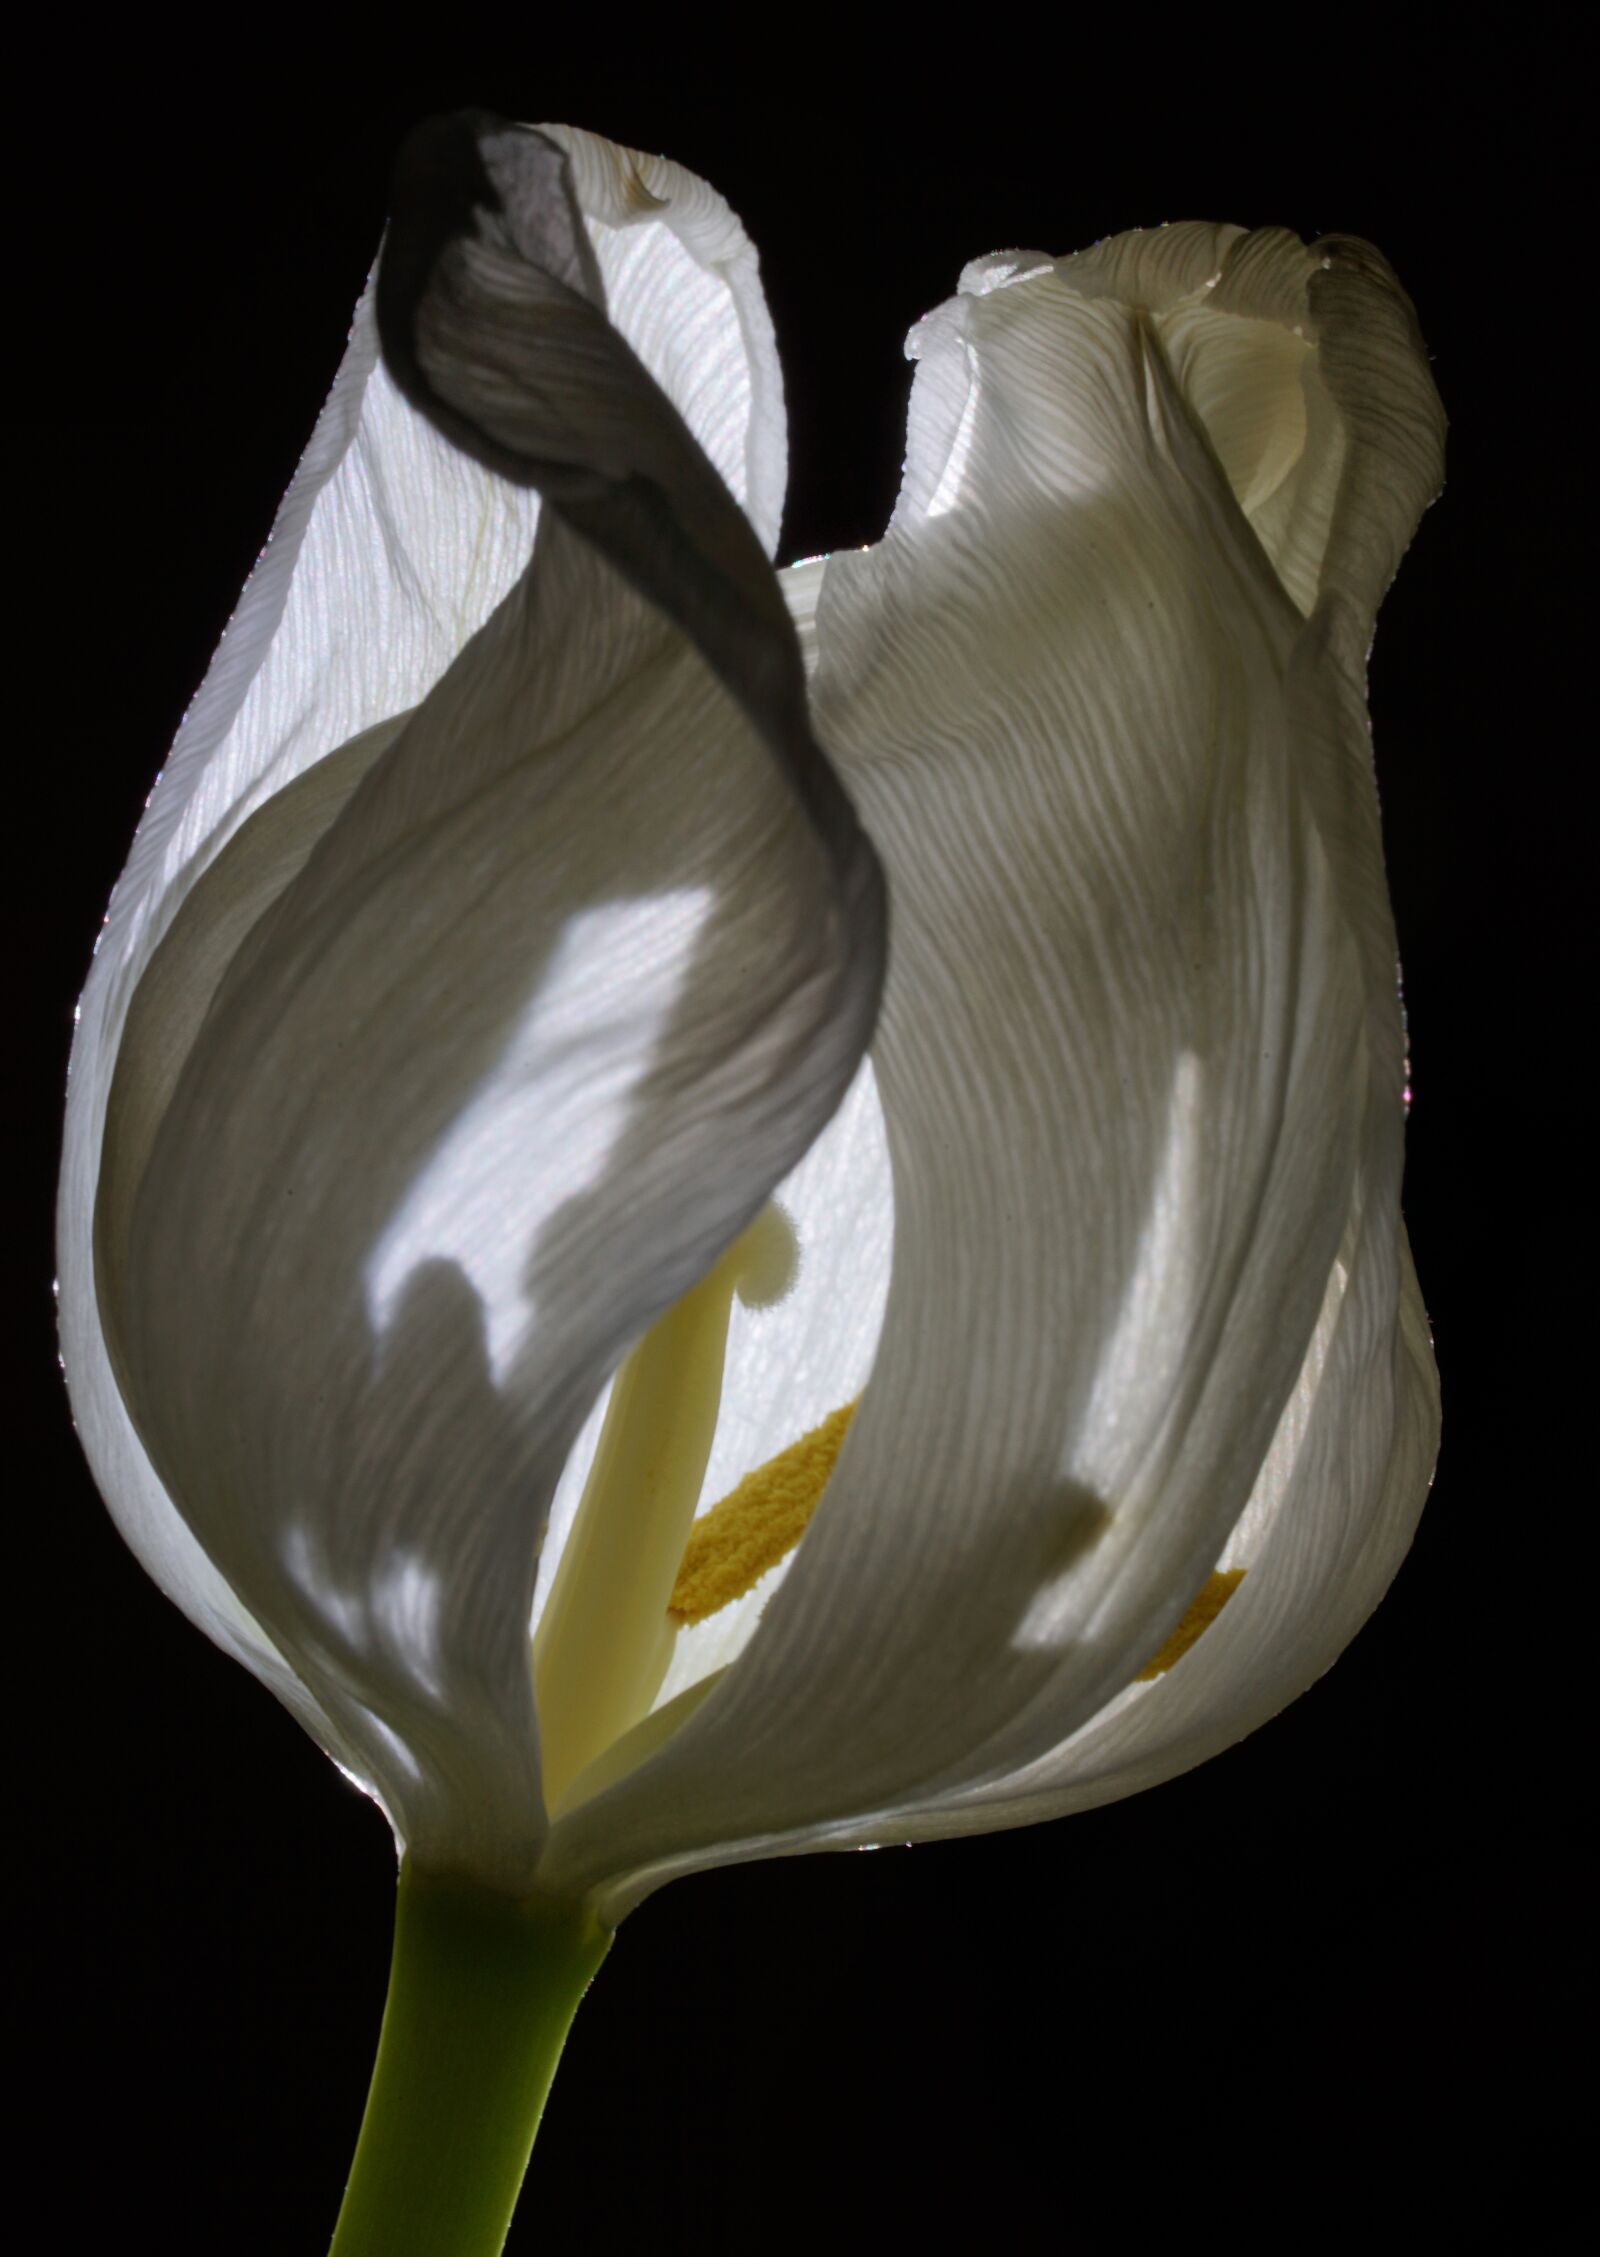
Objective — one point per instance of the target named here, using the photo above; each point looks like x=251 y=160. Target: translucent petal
x=1140 y=1066
x=456 y=1061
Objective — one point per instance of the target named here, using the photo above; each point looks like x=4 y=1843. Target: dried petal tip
x=471 y=177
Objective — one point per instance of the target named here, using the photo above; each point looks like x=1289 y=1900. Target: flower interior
x=641 y=1562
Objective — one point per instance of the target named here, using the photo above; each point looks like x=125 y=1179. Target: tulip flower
x=711 y=1212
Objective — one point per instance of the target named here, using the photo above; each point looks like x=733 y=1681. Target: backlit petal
x=1140 y=1063
x=533 y=1003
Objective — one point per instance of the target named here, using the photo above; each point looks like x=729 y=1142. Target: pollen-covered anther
x=1207 y=1603
x=731 y=1547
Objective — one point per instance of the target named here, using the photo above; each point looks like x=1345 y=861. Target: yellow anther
x=731 y=1547
x=1208 y=1602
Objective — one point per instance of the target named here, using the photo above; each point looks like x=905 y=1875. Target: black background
x=1326 y=1984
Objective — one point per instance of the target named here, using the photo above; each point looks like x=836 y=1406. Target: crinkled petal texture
x=490 y=947
x=1100 y=693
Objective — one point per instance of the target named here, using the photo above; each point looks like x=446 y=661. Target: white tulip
x=487 y=1000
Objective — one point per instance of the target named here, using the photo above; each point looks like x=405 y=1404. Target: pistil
x=605 y=1638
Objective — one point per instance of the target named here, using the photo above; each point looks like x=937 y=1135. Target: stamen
x=604 y=1640
x=1209 y=1601
x=731 y=1547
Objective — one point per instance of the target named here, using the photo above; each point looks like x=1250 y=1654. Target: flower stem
x=482 y=1991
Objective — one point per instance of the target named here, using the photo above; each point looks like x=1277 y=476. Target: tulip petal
x=391 y=547
x=1335 y=1510
x=1140 y=1063
x=451 y=1080
x=1339 y=1496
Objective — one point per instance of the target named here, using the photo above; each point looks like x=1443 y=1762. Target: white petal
x=1339 y=1502
x=1338 y=1498
x=1139 y=1062
x=452 y=1075
x=683 y=285
x=390 y=548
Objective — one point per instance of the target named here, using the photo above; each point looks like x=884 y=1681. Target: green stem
x=482 y=1991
